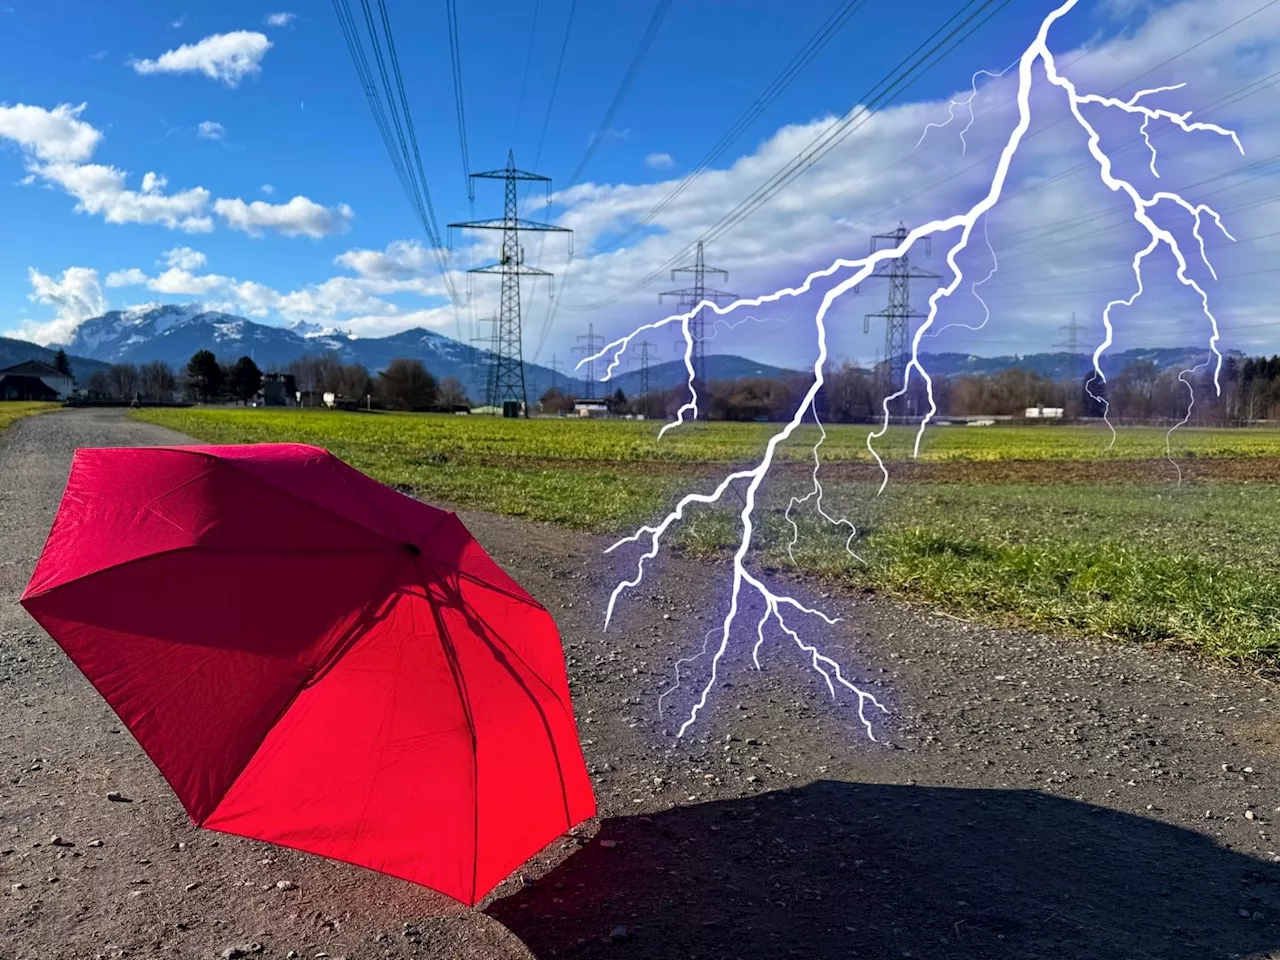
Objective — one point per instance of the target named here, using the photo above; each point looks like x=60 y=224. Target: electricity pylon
x=506 y=380
x=898 y=315
x=690 y=297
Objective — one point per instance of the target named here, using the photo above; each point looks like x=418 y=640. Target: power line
x=528 y=59
x=794 y=67
x=637 y=59
x=390 y=109
x=560 y=65
x=893 y=83
x=455 y=55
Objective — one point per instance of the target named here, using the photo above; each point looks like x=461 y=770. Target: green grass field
x=1144 y=560
x=11 y=411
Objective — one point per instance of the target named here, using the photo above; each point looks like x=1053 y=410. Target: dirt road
x=1033 y=797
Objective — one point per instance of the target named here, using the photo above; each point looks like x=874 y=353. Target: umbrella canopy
x=316 y=660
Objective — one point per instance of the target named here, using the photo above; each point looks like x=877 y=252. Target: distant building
x=591 y=408
x=34 y=380
x=1045 y=413
x=276 y=390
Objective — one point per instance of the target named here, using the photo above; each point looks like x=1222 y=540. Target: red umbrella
x=313 y=659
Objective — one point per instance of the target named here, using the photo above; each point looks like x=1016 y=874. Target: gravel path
x=1033 y=797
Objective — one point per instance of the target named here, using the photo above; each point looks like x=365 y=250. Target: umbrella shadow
x=863 y=870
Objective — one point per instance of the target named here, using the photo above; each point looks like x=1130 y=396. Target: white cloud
x=876 y=178
x=133 y=277
x=401 y=260
x=268 y=189
x=179 y=23
x=183 y=258
x=299 y=217
x=228 y=57
x=101 y=190
x=210 y=130
x=54 y=136
x=75 y=296
x=57 y=143
x=659 y=161
x=280 y=19
x=182 y=282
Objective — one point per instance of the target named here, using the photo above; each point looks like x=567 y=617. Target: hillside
x=16 y=351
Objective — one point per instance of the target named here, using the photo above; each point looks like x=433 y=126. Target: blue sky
x=297 y=124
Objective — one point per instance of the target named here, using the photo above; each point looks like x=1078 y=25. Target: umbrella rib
x=451 y=657
x=481 y=581
x=479 y=629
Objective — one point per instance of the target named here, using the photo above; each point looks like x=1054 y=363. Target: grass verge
x=13 y=410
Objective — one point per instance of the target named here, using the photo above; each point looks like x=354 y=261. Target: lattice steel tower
x=506 y=377
x=898 y=315
x=690 y=297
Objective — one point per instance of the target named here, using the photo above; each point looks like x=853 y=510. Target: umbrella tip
x=413 y=549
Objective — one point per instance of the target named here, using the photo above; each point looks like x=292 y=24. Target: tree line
x=851 y=393
x=405 y=384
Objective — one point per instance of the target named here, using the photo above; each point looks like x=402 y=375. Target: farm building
x=34 y=380
x=591 y=408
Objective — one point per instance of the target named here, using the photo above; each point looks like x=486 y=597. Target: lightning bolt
x=967 y=104
x=778 y=606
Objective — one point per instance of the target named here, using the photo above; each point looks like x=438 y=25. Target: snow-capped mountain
x=173 y=333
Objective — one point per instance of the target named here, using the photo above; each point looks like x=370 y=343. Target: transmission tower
x=554 y=367
x=490 y=341
x=589 y=349
x=644 y=367
x=898 y=315
x=690 y=297
x=1072 y=344
x=506 y=379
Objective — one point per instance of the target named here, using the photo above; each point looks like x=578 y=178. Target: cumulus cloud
x=57 y=145
x=100 y=189
x=177 y=281
x=75 y=296
x=299 y=217
x=268 y=189
x=53 y=136
x=1054 y=219
x=280 y=19
x=133 y=277
x=183 y=258
x=659 y=161
x=226 y=57
x=211 y=130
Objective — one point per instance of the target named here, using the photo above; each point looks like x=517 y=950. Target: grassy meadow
x=1077 y=537
x=14 y=410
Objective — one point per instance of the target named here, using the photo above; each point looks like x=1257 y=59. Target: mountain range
x=172 y=333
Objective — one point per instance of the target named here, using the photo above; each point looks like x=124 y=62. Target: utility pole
x=690 y=297
x=898 y=315
x=507 y=376
x=589 y=349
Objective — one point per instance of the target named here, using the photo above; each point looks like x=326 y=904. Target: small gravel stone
x=619 y=933
x=58 y=841
x=237 y=950
x=286 y=885
x=95 y=842
x=115 y=796
x=191 y=886
x=608 y=844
